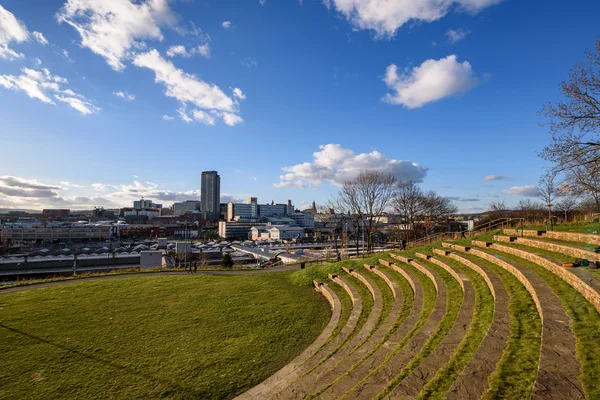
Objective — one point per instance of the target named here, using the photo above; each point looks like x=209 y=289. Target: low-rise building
x=19 y=234
x=237 y=230
x=304 y=220
x=279 y=232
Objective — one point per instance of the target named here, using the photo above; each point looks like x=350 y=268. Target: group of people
x=188 y=267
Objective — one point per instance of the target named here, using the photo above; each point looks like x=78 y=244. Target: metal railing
x=482 y=228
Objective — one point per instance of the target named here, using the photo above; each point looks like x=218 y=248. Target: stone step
x=305 y=384
x=473 y=381
x=386 y=372
x=558 y=367
x=360 y=371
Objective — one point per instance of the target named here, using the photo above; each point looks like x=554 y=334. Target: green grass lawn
x=208 y=337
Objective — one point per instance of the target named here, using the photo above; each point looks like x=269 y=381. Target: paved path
x=293 y=267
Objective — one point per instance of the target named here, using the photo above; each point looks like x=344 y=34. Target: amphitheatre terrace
x=494 y=316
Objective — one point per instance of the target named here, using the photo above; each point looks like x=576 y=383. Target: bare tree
x=437 y=210
x=584 y=180
x=548 y=191
x=409 y=204
x=530 y=209
x=567 y=205
x=497 y=209
x=366 y=198
x=575 y=121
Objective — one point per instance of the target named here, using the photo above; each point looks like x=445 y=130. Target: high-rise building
x=210 y=195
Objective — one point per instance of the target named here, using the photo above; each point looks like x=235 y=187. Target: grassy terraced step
x=515 y=373
x=441 y=354
x=466 y=377
x=582 y=287
x=584 y=323
x=422 y=307
x=303 y=385
x=558 y=366
x=261 y=390
x=551 y=246
x=568 y=236
x=323 y=378
x=385 y=377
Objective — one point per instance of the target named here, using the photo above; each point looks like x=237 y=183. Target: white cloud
x=13 y=186
x=101 y=187
x=226 y=24
x=125 y=95
x=249 y=62
x=183 y=115
x=37 y=85
x=463 y=199
x=385 y=17
x=82 y=106
x=37 y=61
x=237 y=93
x=114 y=28
x=456 y=35
x=230 y=119
x=70 y=184
x=180 y=50
x=431 y=81
x=493 y=178
x=189 y=89
x=167 y=117
x=203 y=117
x=39 y=37
x=203 y=50
x=527 y=191
x=335 y=164
x=262 y=2
x=18 y=182
x=66 y=56
x=149 y=191
x=11 y=30
x=228 y=198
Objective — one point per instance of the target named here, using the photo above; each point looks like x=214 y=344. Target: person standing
x=195 y=266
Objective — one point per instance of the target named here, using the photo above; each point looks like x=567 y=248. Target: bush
x=227 y=262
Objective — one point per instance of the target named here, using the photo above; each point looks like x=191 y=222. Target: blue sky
x=284 y=98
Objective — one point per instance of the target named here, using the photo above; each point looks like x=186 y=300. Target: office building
x=185 y=207
x=210 y=195
x=140 y=204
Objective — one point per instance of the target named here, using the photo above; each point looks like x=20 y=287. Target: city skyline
x=223 y=82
